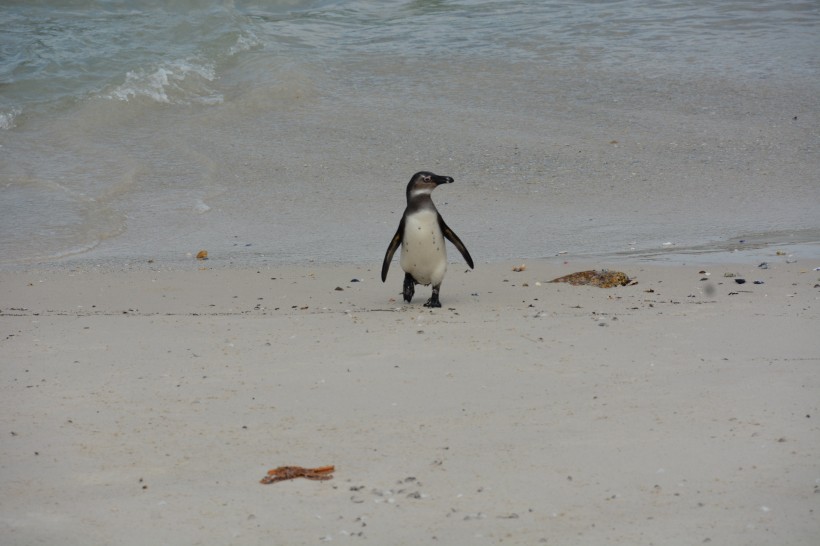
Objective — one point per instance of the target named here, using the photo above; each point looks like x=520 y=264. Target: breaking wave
x=7 y=118
x=178 y=82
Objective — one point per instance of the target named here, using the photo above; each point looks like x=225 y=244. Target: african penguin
x=421 y=234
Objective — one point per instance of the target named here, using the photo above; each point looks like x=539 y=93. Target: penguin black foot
x=433 y=301
x=409 y=287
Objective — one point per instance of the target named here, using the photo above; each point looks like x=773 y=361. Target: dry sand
x=143 y=407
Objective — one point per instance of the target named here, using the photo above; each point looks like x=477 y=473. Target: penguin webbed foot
x=433 y=301
x=409 y=287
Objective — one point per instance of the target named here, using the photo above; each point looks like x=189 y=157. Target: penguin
x=421 y=235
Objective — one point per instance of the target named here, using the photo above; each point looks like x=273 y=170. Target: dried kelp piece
x=602 y=279
x=283 y=473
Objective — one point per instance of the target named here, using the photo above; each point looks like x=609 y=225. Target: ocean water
x=285 y=131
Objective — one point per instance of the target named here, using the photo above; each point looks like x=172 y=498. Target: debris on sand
x=602 y=279
x=291 y=472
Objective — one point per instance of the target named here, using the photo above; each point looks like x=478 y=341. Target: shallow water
x=285 y=132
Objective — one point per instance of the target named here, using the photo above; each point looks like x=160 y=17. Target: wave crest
x=7 y=118
x=176 y=82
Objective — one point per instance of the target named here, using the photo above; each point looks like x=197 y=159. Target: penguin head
x=424 y=182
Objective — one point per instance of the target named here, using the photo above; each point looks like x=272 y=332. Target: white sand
x=143 y=407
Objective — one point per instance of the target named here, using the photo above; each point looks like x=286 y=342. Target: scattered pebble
x=477 y=515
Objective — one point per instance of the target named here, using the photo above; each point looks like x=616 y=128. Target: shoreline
x=145 y=406
x=788 y=250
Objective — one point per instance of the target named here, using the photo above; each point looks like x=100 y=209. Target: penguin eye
x=426 y=178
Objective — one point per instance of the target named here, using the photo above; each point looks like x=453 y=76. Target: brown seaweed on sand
x=602 y=279
x=290 y=472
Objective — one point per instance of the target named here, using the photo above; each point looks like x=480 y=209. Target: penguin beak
x=443 y=180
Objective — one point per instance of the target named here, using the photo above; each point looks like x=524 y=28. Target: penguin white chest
x=423 y=253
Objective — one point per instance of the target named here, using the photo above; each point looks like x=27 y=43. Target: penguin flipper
x=453 y=238
x=391 y=249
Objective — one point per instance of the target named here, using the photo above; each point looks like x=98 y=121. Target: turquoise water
x=137 y=129
x=55 y=53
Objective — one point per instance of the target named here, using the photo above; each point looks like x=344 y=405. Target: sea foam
x=177 y=82
x=7 y=118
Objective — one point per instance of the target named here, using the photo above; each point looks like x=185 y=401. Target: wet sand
x=144 y=406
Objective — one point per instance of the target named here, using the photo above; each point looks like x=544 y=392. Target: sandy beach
x=143 y=406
